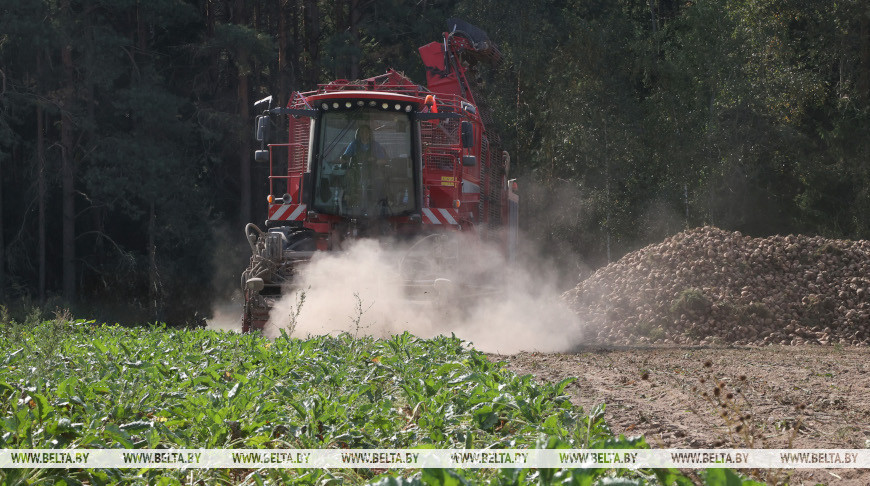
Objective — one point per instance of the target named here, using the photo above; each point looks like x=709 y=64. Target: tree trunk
x=2 y=243
x=68 y=170
x=141 y=37
x=341 y=19
x=240 y=16
x=40 y=180
x=40 y=196
x=213 y=70
x=312 y=42
x=863 y=84
x=244 y=153
x=355 y=19
x=655 y=34
x=153 y=274
x=283 y=67
x=296 y=57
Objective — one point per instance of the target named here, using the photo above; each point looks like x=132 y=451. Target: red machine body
x=430 y=167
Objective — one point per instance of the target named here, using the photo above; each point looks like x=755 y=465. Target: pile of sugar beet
x=709 y=286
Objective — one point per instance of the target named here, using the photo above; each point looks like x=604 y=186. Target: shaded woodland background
x=126 y=171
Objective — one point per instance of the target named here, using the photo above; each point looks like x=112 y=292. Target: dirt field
x=776 y=396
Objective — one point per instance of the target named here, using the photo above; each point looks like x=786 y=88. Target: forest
x=126 y=128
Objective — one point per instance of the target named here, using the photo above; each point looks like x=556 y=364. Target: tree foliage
x=627 y=121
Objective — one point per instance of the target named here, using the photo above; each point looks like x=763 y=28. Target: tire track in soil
x=826 y=390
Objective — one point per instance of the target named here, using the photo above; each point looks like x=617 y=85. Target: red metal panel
x=367 y=95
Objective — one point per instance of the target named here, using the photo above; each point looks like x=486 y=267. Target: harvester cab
x=382 y=157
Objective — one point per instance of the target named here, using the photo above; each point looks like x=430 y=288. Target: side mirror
x=467 y=134
x=262 y=134
x=261 y=155
x=469 y=160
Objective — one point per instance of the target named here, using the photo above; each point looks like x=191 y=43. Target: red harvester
x=385 y=158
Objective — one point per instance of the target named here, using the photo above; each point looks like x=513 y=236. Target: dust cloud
x=360 y=291
x=229 y=255
x=226 y=315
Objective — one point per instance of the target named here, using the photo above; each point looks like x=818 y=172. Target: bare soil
x=812 y=397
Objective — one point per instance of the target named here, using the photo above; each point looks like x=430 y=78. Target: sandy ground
x=814 y=397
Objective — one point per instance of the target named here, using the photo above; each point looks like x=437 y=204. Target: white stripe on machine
x=431 y=216
x=298 y=212
x=448 y=216
x=288 y=212
x=439 y=216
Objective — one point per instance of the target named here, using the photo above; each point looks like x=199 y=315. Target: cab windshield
x=365 y=164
